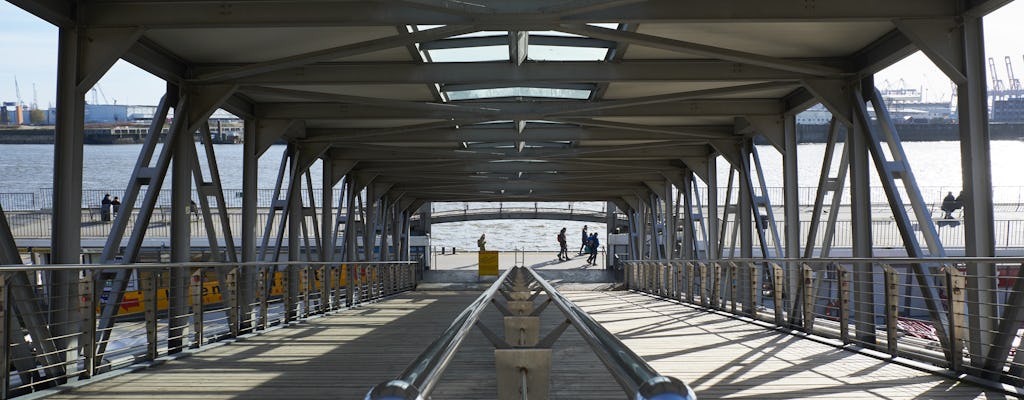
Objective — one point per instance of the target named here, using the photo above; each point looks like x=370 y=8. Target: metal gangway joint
x=523 y=357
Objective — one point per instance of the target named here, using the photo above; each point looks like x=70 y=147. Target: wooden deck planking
x=341 y=356
x=724 y=358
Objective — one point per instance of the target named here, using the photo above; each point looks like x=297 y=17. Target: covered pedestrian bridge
x=642 y=105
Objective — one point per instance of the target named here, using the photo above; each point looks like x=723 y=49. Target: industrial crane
x=1015 y=87
x=997 y=90
x=17 y=92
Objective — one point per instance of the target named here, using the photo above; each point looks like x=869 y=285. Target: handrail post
x=235 y=306
x=87 y=307
x=755 y=292
x=348 y=273
x=689 y=282
x=891 y=308
x=844 y=303
x=262 y=292
x=150 y=301
x=717 y=300
x=197 y=307
x=807 y=278
x=780 y=307
x=704 y=285
x=287 y=294
x=306 y=291
x=955 y=285
x=734 y=286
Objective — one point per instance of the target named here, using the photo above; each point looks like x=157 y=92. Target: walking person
x=948 y=206
x=594 y=243
x=193 y=209
x=563 y=252
x=116 y=205
x=586 y=239
x=105 y=208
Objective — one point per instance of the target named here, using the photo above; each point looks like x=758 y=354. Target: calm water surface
x=29 y=168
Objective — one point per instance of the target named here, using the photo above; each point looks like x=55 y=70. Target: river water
x=107 y=168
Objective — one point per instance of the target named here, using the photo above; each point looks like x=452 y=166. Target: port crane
x=1015 y=87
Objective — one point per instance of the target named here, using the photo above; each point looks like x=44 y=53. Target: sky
x=28 y=54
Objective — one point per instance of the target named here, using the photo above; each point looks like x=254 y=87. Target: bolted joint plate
x=522 y=330
x=520 y=307
x=510 y=365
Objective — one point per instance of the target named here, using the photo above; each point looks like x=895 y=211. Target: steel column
x=67 y=193
x=791 y=211
x=860 y=224
x=181 y=222
x=712 y=244
x=976 y=169
x=250 y=208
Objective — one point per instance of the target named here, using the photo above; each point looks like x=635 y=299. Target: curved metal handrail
x=636 y=377
x=419 y=379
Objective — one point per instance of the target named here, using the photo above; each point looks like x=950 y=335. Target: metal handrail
x=636 y=377
x=75 y=267
x=419 y=379
x=972 y=338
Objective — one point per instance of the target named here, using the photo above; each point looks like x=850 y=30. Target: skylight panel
x=561 y=53
x=519 y=92
x=470 y=54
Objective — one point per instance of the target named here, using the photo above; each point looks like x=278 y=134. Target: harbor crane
x=17 y=91
x=998 y=89
x=1015 y=87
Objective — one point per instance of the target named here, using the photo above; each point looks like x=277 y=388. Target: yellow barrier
x=488 y=263
x=132 y=302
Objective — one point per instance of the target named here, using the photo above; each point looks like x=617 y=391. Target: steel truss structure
x=373 y=93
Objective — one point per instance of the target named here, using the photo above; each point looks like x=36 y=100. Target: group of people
x=109 y=207
x=588 y=245
x=950 y=204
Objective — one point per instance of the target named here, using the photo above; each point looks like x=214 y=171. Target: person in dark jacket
x=948 y=206
x=594 y=244
x=585 y=240
x=563 y=252
x=105 y=208
x=116 y=205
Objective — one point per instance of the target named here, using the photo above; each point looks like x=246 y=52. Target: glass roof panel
x=470 y=54
x=519 y=92
x=561 y=53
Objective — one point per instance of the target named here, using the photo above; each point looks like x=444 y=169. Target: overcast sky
x=28 y=51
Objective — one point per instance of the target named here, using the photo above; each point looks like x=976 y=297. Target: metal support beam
x=181 y=235
x=67 y=193
x=250 y=205
x=976 y=169
x=791 y=202
x=860 y=223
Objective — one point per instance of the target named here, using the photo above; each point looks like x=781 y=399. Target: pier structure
x=638 y=104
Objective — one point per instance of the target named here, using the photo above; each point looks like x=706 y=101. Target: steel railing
x=1010 y=196
x=633 y=374
x=962 y=314
x=53 y=331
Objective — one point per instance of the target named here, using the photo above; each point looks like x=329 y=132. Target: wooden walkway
x=343 y=355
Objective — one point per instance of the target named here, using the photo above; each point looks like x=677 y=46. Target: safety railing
x=962 y=314
x=1011 y=197
x=522 y=357
x=61 y=323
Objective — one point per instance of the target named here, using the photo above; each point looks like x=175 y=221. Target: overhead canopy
x=496 y=99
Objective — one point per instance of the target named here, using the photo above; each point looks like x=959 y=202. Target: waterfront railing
x=1010 y=197
x=955 y=314
x=167 y=309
